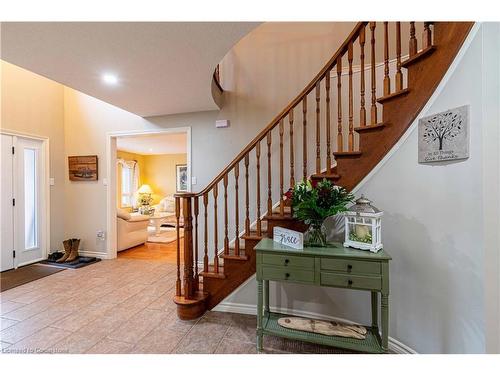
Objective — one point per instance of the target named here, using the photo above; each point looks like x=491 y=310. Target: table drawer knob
x=287 y=275
x=287 y=261
x=349 y=267
x=349 y=282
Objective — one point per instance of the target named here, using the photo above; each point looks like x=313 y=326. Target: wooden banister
x=274 y=122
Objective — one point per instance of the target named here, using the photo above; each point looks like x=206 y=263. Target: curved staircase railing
x=342 y=151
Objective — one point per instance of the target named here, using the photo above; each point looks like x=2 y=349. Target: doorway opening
x=24 y=200
x=145 y=170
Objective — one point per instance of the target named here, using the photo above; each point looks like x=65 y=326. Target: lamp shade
x=145 y=189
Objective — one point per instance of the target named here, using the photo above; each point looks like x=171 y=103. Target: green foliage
x=313 y=203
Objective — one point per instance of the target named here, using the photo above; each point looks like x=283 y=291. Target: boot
x=67 y=250
x=75 y=244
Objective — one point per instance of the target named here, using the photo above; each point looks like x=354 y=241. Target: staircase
x=337 y=130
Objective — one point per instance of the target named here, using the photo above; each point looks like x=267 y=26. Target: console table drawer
x=289 y=261
x=351 y=281
x=288 y=274
x=350 y=266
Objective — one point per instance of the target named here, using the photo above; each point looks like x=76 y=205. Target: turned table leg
x=259 y=315
x=266 y=297
x=375 y=311
x=384 y=308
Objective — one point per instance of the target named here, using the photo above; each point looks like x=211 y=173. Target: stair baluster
x=247 y=198
x=196 y=212
x=216 y=244
x=304 y=137
x=269 y=176
x=236 y=210
x=351 y=104
x=387 y=79
x=399 y=75
x=426 y=36
x=373 y=110
x=362 y=110
x=328 y=131
x=282 y=202
x=205 y=256
x=413 y=41
x=292 y=157
x=340 y=140
x=318 y=130
x=226 y=238
x=259 y=222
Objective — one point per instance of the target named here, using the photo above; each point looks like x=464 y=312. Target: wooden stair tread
x=254 y=236
x=286 y=210
x=232 y=254
x=212 y=274
x=347 y=154
x=367 y=128
x=327 y=175
x=418 y=56
x=394 y=95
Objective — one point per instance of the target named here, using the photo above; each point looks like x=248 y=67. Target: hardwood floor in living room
x=153 y=251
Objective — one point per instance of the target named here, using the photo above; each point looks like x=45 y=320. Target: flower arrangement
x=312 y=202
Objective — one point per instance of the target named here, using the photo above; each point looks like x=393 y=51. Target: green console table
x=334 y=266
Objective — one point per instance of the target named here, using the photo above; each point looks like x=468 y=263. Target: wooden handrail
x=216 y=78
x=274 y=122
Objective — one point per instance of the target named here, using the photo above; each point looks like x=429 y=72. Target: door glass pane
x=30 y=199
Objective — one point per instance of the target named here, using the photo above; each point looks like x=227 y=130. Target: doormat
x=12 y=278
x=77 y=263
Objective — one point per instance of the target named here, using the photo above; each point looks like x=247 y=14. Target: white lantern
x=363 y=226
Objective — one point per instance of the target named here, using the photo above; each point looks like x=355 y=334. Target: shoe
x=67 y=251
x=75 y=244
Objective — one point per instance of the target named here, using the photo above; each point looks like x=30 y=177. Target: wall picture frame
x=181 y=177
x=83 y=168
x=444 y=136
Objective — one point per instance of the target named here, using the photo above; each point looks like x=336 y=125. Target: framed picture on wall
x=82 y=168
x=181 y=176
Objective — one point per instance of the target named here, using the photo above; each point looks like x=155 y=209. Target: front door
x=22 y=193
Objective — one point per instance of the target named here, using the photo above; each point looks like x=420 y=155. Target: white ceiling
x=163 y=67
x=154 y=144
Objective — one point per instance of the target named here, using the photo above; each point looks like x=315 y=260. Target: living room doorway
x=145 y=170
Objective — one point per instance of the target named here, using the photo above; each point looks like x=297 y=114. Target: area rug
x=167 y=235
x=12 y=278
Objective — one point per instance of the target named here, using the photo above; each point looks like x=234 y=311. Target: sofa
x=131 y=229
x=166 y=208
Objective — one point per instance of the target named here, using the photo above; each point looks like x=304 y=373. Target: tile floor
x=121 y=306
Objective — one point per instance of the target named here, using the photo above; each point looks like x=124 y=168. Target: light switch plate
x=52 y=182
x=194 y=180
x=105 y=181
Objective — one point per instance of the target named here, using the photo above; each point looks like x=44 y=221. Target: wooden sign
x=82 y=168
x=288 y=237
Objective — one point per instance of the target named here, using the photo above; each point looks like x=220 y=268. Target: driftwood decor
x=324 y=327
x=82 y=168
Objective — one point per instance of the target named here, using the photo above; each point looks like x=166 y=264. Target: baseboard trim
x=96 y=254
x=395 y=346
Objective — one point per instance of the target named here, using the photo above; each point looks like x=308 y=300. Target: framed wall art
x=181 y=176
x=82 y=168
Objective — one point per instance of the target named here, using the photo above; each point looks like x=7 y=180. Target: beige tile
x=164 y=302
x=228 y=346
x=29 y=326
x=120 y=295
x=203 y=338
x=80 y=318
x=40 y=341
x=6 y=323
x=108 y=346
x=138 y=326
x=8 y=306
x=28 y=310
x=31 y=296
x=4 y=345
x=243 y=329
x=160 y=340
x=78 y=342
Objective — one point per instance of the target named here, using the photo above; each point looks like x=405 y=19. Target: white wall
x=433 y=228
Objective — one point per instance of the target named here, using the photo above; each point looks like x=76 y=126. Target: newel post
x=188 y=281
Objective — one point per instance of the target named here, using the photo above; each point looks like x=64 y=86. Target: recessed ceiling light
x=110 y=79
